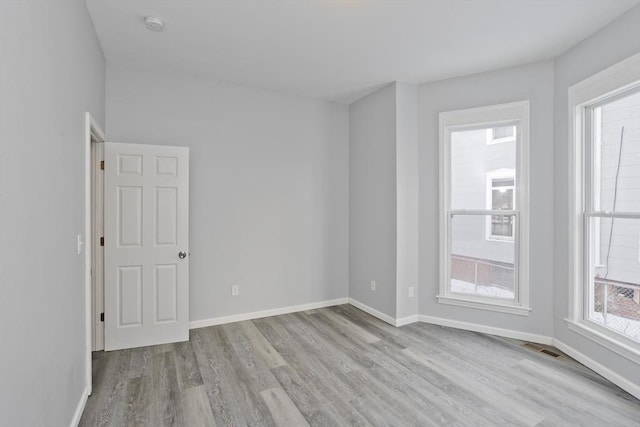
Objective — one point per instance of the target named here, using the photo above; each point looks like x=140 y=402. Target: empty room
x=319 y=213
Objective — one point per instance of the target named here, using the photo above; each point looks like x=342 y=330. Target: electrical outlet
x=410 y=291
x=373 y=286
x=235 y=290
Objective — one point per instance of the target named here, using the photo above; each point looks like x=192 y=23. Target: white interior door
x=146 y=245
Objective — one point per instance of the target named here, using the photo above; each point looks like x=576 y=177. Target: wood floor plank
x=164 y=392
x=351 y=328
x=317 y=374
x=249 y=366
x=486 y=393
x=109 y=391
x=245 y=401
x=140 y=362
x=138 y=402
x=340 y=366
x=187 y=366
x=283 y=410
x=613 y=408
x=383 y=330
x=219 y=387
x=261 y=346
x=307 y=398
x=411 y=381
x=196 y=407
x=397 y=399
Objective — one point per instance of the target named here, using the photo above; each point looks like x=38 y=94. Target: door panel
x=129 y=217
x=165 y=283
x=166 y=220
x=130 y=296
x=146 y=198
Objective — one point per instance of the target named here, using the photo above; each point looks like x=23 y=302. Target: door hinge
x=101 y=165
x=102 y=317
x=102 y=241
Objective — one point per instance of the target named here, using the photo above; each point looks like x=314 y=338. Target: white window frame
x=504 y=173
x=618 y=79
x=491 y=140
x=516 y=113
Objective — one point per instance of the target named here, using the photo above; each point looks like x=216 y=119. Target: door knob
x=182 y=254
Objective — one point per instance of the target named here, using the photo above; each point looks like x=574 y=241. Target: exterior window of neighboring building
x=605 y=208
x=497 y=135
x=501 y=196
x=484 y=155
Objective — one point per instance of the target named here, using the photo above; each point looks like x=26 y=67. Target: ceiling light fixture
x=154 y=24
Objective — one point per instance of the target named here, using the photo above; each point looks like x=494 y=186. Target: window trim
x=615 y=80
x=515 y=113
x=491 y=176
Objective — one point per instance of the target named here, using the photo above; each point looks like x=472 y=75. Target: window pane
x=471 y=160
x=502 y=199
x=617 y=155
x=614 y=279
x=479 y=266
x=501 y=225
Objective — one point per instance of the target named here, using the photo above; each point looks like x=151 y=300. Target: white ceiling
x=341 y=49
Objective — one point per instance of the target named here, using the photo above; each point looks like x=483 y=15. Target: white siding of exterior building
x=472 y=158
x=624 y=256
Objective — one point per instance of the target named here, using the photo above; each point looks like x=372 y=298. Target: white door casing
x=146 y=227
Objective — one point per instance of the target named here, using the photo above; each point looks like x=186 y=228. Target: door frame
x=93 y=135
x=97 y=231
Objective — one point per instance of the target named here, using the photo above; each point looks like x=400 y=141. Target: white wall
x=532 y=82
x=613 y=43
x=372 y=200
x=51 y=73
x=269 y=186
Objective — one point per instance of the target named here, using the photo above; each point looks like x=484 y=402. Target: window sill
x=484 y=305
x=622 y=349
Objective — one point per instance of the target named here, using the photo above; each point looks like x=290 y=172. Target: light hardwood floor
x=340 y=366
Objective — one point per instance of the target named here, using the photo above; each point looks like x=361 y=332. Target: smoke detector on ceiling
x=154 y=24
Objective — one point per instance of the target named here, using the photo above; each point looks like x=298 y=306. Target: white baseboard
x=620 y=381
x=80 y=408
x=407 y=320
x=507 y=333
x=372 y=311
x=194 y=324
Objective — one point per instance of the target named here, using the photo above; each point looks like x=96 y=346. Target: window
x=484 y=204
x=605 y=209
x=501 y=197
x=497 y=135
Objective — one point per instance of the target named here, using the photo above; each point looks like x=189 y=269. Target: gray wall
x=407 y=173
x=269 y=190
x=532 y=82
x=51 y=73
x=372 y=199
x=615 y=42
